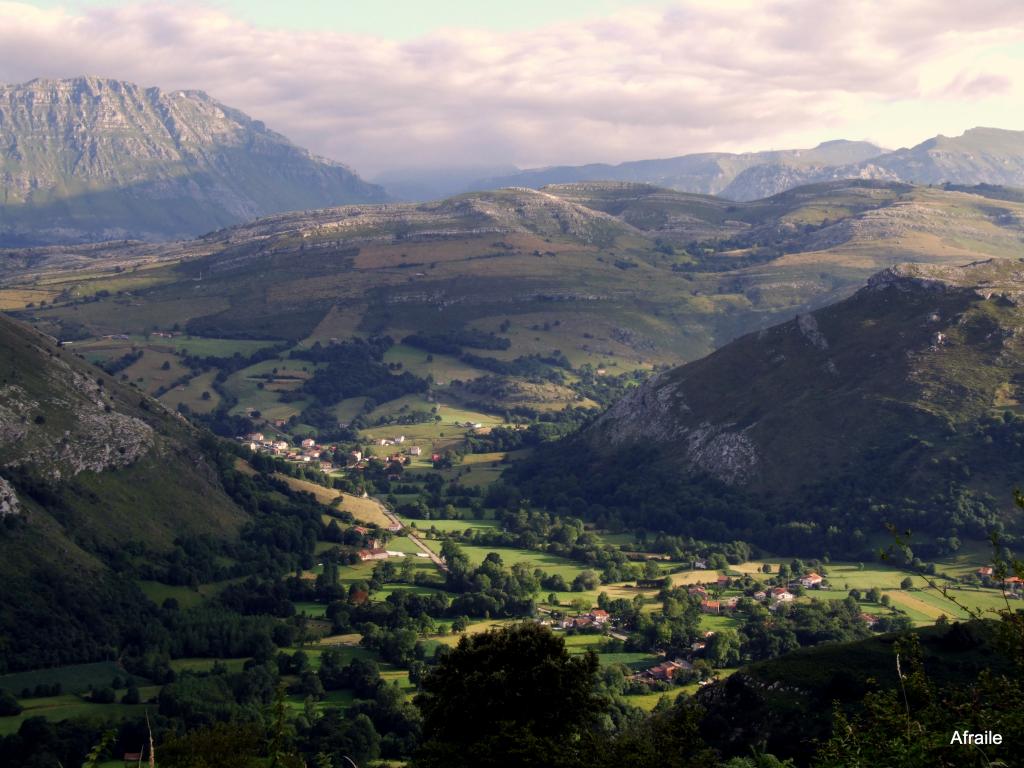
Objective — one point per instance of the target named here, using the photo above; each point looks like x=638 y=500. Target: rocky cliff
x=95 y=159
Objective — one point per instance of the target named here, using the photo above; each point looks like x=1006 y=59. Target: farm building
x=811 y=581
x=668 y=669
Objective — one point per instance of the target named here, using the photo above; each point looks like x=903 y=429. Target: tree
x=9 y=706
x=509 y=697
x=907 y=583
x=874 y=595
x=723 y=649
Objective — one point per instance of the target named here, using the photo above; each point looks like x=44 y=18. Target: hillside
x=87 y=467
x=899 y=404
x=789 y=702
x=91 y=159
x=614 y=276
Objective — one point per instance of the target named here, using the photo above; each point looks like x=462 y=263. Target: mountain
x=423 y=184
x=980 y=156
x=899 y=404
x=709 y=173
x=989 y=156
x=91 y=159
x=91 y=472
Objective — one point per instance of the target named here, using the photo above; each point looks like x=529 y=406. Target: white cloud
x=694 y=77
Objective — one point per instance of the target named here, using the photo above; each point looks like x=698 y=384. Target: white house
x=811 y=581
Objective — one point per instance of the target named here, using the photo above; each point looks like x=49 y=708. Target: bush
x=9 y=706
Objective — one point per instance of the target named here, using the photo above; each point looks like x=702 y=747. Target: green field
x=158 y=592
x=205 y=664
x=443 y=368
x=550 y=564
x=66 y=707
x=73 y=679
x=191 y=394
x=446 y=526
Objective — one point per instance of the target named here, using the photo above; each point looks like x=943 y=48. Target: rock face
x=91 y=435
x=651 y=415
x=924 y=350
x=9 y=504
x=93 y=159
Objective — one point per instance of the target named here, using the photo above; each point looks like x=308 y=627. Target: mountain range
x=89 y=159
x=979 y=156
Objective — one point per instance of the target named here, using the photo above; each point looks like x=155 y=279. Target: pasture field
x=712 y=623
x=192 y=394
x=19 y=298
x=475 y=628
x=974 y=598
x=415 y=589
x=444 y=368
x=445 y=526
x=402 y=544
x=149 y=372
x=366 y=510
x=202 y=346
x=475 y=459
x=199 y=346
x=617 y=539
x=648 y=701
x=340 y=322
x=693 y=577
x=203 y=664
x=73 y=679
x=323 y=494
x=577 y=644
x=65 y=707
x=311 y=609
x=348 y=408
x=158 y=592
x=550 y=564
x=137 y=317
x=251 y=396
x=481 y=475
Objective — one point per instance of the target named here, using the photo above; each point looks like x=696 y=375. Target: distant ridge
x=979 y=156
x=90 y=158
x=709 y=173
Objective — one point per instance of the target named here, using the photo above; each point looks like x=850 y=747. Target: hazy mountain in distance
x=415 y=185
x=979 y=156
x=89 y=159
x=707 y=173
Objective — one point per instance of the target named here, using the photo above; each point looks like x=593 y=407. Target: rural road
x=434 y=557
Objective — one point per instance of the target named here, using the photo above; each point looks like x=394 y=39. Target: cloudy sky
x=461 y=82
